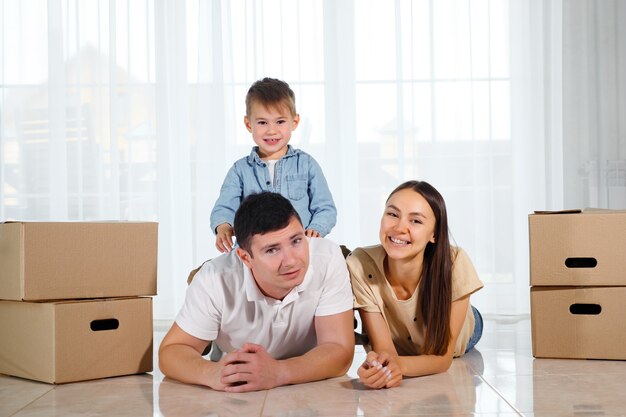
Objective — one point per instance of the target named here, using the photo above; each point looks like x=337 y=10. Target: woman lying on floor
x=413 y=291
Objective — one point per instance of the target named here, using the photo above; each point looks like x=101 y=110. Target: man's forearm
x=184 y=364
x=324 y=361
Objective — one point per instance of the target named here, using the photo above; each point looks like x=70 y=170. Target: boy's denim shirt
x=297 y=176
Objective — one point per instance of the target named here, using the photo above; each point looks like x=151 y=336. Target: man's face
x=278 y=260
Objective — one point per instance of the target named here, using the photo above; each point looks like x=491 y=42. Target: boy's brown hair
x=271 y=92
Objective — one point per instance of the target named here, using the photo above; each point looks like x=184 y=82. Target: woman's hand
x=380 y=370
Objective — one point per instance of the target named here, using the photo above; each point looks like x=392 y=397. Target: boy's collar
x=254 y=155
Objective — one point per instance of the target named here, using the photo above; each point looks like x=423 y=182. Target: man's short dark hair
x=262 y=213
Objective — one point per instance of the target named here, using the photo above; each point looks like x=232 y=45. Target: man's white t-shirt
x=224 y=304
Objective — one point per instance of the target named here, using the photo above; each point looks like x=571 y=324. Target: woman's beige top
x=373 y=293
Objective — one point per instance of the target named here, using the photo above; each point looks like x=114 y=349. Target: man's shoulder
x=225 y=268
x=320 y=246
x=325 y=258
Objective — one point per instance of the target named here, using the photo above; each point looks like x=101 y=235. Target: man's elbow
x=167 y=359
x=343 y=359
x=163 y=360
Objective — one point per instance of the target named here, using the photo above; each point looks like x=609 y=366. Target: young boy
x=274 y=165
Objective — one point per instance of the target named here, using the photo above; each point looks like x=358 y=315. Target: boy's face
x=271 y=129
x=278 y=260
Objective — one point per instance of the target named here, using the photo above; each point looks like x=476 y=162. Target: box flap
x=594 y=210
x=572 y=211
x=586 y=210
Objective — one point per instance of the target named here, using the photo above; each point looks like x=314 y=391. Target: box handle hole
x=585 y=309
x=581 y=262
x=104 y=324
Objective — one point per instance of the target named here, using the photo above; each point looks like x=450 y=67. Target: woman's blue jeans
x=478 y=330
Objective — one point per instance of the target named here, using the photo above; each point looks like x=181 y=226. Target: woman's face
x=407 y=225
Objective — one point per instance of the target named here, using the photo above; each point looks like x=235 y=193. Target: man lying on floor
x=279 y=305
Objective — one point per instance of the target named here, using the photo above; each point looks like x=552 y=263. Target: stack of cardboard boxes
x=578 y=284
x=75 y=299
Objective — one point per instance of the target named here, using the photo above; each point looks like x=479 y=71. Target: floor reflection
x=501 y=378
x=182 y=400
x=452 y=393
x=584 y=387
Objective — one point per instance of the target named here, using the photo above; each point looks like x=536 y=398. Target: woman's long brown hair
x=435 y=296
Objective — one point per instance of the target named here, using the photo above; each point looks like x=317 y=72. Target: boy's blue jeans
x=478 y=330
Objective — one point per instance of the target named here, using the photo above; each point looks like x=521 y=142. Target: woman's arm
x=418 y=365
x=381 y=368
x=433 y=364
x=378 y=332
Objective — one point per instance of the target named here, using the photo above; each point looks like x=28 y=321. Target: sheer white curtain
x=594 y=103
x=133 y=110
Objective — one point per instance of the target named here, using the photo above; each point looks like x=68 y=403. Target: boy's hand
x=224 y=237
x=312 y=233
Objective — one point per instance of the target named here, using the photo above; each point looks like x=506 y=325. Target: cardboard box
x=573 y=249
x=578 y=322
x=71 y=260
x=67 y=341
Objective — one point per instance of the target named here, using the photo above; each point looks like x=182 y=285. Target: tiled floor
x=500 y=378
